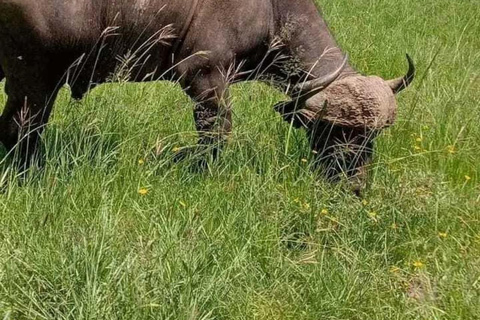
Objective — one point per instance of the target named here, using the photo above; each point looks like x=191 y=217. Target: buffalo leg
x=27 y=111
x=212 y=112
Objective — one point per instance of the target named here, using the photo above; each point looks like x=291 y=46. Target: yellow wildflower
x=373 y=215
x=304 y=160
x=418 y=264
x=417 y=148
x=394 y=269
x=143 y=191
x=364 y=202
x=468 y=178
x=451 y=149
x=324 y=212
x=176 y=149
x=419 y=139
x=141 y=162
x=306 y=205
x=442 y=234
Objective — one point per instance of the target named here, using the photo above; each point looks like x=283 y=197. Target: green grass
x=258 y=236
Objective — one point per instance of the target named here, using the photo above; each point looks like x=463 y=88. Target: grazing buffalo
x=205 y=45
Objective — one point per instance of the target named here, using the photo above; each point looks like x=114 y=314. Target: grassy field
x=111 y=229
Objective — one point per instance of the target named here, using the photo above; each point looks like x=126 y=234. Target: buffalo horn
x=322 y=82
x=401 y=83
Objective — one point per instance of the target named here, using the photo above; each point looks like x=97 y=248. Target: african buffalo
x=204 y=45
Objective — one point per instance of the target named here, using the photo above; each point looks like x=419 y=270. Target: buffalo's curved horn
x=322 y=82
x=401 y=83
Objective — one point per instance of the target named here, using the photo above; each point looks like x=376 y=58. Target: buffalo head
x=342 y=117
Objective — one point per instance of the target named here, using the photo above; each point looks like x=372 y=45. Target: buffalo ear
x=291 y=114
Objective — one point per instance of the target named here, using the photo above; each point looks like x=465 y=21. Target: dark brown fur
x=45 y=43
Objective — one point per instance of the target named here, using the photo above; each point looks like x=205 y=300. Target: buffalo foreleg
x=212 y=113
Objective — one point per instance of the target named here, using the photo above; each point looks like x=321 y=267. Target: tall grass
x=112 y=229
